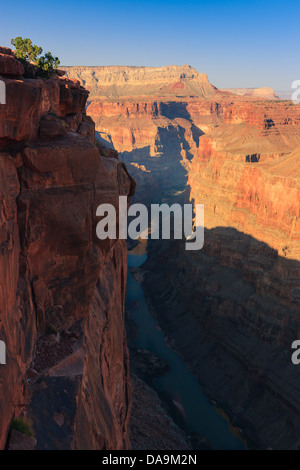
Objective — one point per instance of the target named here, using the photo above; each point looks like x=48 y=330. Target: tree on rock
x=48 y=64
x=34 y=63
x=25 y=50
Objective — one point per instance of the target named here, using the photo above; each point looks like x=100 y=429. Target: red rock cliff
x=62 y=291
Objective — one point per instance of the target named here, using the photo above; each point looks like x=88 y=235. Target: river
x=178 y=384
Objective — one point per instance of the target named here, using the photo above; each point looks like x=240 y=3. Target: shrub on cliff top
x=48 y=64
x=30 y=54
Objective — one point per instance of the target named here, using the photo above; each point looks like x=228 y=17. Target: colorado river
x=178 y=384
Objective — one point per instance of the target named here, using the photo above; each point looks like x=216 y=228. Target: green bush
x=51 y=330
x=29 y=53
x=48 y=64
x=25 y=50
x=23 y=426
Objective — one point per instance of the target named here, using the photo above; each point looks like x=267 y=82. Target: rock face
x=55 y=274
x=231 y=309
x=255 y=190
x=157 y=130
x=118 y=81
x=9 y=65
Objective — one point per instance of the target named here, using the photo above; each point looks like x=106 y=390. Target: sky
x=237 y=43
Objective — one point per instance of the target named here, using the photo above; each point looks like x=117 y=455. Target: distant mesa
x=262 y=93
x=171 y=82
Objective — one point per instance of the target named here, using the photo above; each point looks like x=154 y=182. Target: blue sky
x=238 y=44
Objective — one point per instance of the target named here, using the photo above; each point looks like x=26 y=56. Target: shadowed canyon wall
x=62 y=291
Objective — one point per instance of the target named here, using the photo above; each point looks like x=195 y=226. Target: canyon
x=232 y=309
x=62 y=291
x=262 y=93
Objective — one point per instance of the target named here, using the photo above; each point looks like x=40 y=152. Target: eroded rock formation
x=121 y=81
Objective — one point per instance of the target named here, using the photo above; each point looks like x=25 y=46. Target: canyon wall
x=262 y=93
x=232 y=309
x=62 y=290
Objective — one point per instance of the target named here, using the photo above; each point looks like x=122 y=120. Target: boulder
x=52 y=126
x=10 y=67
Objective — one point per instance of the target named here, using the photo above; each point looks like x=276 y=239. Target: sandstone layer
x=122 y=81
x=55 y=275
x=262 y=93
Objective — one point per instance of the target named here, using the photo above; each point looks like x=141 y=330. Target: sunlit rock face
x=121 y=81
x=62 y=291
